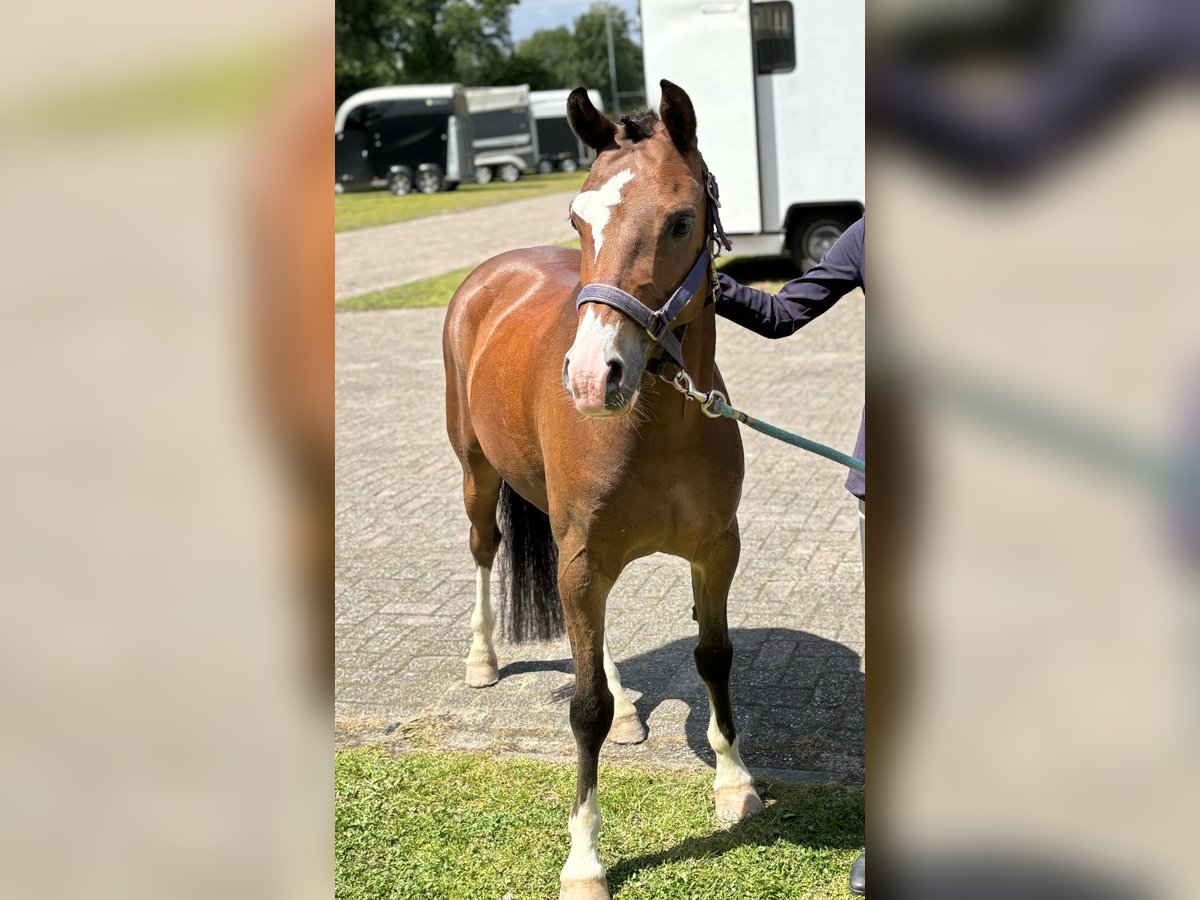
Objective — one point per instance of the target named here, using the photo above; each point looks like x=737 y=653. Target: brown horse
x=589 y=459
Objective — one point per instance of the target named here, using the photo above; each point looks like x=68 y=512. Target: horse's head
x=641 y=223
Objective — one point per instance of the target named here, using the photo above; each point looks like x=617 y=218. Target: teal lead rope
x=721 y=408
x=715 y=405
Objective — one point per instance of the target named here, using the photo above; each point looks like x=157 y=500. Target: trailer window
x=774 y=37
x=363 y=117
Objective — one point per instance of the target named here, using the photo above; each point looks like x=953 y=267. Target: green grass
x=427 y=292
x=435 y=291
x=364 y=210
x=428 y=826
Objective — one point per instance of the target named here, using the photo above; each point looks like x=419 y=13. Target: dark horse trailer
x=559 y=147
x=404 y=137
x=505 y=138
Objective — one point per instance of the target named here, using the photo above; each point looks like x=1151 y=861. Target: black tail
x=530 y=608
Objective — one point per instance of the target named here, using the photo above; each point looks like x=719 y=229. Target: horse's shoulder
x=525 y=282
x=517 y=275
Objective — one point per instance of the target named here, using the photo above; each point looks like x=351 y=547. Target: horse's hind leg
x=712 y=573
x=627 y=728
x=481 y=494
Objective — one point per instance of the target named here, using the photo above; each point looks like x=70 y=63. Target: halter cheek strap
x=659 y=322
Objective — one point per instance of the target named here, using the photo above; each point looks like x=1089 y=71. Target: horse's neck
x=700 y=347
x=699 y=357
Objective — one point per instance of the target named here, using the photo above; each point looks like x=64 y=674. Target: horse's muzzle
x=602 y=391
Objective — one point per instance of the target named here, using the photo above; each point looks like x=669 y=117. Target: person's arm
x=801 y=300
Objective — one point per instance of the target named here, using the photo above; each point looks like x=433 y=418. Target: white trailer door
x=704 y=46
x=811 y=105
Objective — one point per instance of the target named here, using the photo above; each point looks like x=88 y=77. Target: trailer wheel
x=545 y=167
x=400 y=182
x=810 y=240
x=483 y=174
x=568 y=165
x=509 y=173
x=429 y=180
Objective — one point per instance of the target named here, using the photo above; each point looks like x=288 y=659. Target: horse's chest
x=663 y=508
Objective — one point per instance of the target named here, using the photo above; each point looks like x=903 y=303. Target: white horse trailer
x=506 y=143
x=558 y=146
x=778 y=89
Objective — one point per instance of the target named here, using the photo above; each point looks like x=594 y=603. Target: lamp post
x=612 y=57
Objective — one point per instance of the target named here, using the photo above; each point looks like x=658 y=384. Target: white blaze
x=605 y=334
x=595 y=207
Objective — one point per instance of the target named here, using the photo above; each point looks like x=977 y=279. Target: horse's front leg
x=712 y=573
x=584 y=590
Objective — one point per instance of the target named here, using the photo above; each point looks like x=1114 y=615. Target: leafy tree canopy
x=418 y=41
x=428 y=41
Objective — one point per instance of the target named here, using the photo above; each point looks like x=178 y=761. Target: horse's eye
x=571 y=219
x=682 y=227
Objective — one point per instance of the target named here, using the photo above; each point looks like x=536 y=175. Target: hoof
x=627 y=730
x=583 y=890
x=482 y=674
x=737 y=803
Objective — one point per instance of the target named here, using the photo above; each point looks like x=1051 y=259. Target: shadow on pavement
x=797 y=699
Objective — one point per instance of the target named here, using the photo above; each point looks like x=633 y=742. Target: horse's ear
x=592 y=126
x=676 y=112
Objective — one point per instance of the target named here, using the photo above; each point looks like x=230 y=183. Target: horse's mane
x=639 y=126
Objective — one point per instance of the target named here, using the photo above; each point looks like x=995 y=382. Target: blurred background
x=167 y=369
x=1033 y=349
x=167 y=516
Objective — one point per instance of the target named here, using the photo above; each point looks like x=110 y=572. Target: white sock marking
x=583 y=862
x=621 y=705
x=731 y=771
x=483 y=621
x=595 y=207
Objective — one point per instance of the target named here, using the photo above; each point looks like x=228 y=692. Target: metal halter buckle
x=656 y=327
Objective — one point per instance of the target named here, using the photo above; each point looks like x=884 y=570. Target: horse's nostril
x=615 y=372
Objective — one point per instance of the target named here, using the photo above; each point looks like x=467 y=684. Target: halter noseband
x=659 y=322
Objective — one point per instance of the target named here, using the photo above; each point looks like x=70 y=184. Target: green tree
x=422 y=41
x=553 y=51
x=419 y=41
x=591 y=54
x=569 y=58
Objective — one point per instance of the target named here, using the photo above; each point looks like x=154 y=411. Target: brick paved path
x=405 y=575
x=371 y=259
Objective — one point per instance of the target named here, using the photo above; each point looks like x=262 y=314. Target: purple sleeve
x=801 y=300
